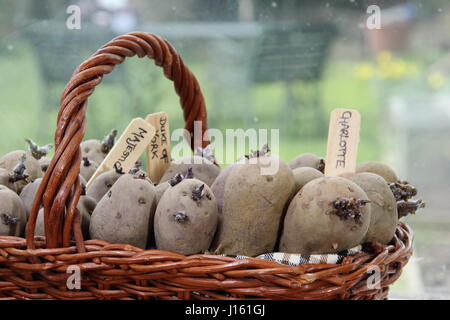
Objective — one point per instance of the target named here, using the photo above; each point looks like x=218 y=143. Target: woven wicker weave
x=36 y=267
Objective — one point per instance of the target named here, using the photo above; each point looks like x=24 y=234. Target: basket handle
x=60 y=188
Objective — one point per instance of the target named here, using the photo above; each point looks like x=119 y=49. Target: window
x=261 y=64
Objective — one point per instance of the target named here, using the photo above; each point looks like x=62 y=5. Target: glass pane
x=267 y=64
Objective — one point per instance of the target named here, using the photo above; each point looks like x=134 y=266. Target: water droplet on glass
x=10 y=47
x=274 y=4
x=256 y=119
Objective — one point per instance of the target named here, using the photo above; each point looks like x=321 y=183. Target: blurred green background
x=24 y=116
x=35 y=67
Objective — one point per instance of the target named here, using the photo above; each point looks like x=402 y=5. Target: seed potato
x=378 y=168
x=160 y=189
x=92 y=149
x=314 y=225
x=5 y=179
x=218 y=187
x=12 y=213
x=28 y=194
x=87 y=168
x=101 y=185
x=32 y=167
x=86 y=206
x=186 y=218
x=384 y=215
x=123 y=214
x=44 y=162
x=307 y=160
x=303 y=175
x=202 y=169
x=252 y=207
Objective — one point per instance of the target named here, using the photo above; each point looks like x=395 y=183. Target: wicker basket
x=37 y=267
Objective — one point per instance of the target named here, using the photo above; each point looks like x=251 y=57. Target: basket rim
x=14 y=244
x=124 y=271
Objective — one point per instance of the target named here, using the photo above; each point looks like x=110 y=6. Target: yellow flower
x=384 y=57
x=393 y=68
x=363 y=71
x=435 y=80
x=398 y=69
x=385 y=71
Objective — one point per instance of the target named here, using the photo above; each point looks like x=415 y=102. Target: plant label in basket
x=128 y=148
x=158 y=151
x=343 y=140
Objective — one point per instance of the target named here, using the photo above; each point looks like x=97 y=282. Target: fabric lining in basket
x=292 y=259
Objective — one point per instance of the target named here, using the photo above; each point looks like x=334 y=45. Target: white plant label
x=128 y=148
x=343 y=140
x=158 y=151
